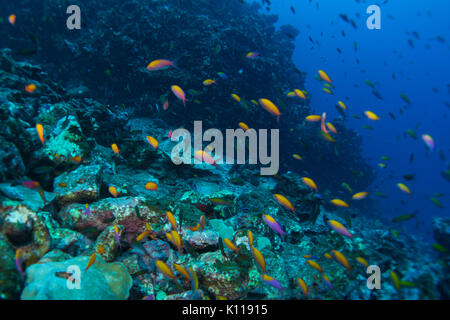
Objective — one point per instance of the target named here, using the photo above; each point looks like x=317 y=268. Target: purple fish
x=327 y=281
x=19 y=262
x=272 y=281
x=273 y=224
x=87 y=210
x=116 y=232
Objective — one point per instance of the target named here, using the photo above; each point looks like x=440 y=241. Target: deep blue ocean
x=382 y=53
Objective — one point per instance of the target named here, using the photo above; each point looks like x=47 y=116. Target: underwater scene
x=224 y=150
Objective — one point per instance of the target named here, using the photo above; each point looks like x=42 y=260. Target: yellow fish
x=313 y=118
x=324 y=76
x=230 y=245
x=362 y=261
x=40 y=131
x=360 y=195
x=259 y=258
x=339 y=203
x=243 y=126
x=371 y=115
x=164 y=268
x=284 y=202
x=171 y=219
x=404 y=188
x=339 y=257
x=310 y=183
x=153 y=142
x=303 y=285
x=236 y=97
x=315 y=265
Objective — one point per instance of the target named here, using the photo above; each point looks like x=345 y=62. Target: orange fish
x=299 y=93
x=115 y=148
x=243 y=126
x=100 y=249
x=230 y=245
x=179 y=93
x=91 y=261
x=259 y=258
x=315 y=265
x=164 y=268
x=40 y=131
x=339 y=203
x=176 y=239
x=142 y=235
x=62 y=184
x=208 y=82
x=324 y=76
x=360 y=195
x=171 y=219
x=303 y=286
x=236 y=97
x=151 y=186
x=153 y=142
x=284 y=202
x=160 y=64
x=12 y=19
x=205 y=157
x=371 y=115
x=182 y=270
x=113 y=191
x=76 y=159
x=362 y=261
x=313 y=118
x=196 y=228
x=250 y=238
x=339 y=257
x=310 y=183
x=270 y=107
x=331 y=128
x=30 y=88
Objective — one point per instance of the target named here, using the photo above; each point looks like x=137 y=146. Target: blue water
x=381 y=53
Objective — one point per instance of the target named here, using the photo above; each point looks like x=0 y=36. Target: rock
x=231 y=278
x=83 y=185
x=72 y=242
x=224 y=230
x=10 y=280
x=107 y=239
x=441 y=230
x=28 y=197
x=24 y=229
x=66 y=140
x=206 y=240
x=12 y=163
x=102 y=281
x=130 y=212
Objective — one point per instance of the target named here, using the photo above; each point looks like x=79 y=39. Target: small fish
x=339 y=203
x=439 y=247
x=252 y=55
x=362 y=261
x=222 y=75
x=273 y=224
x=91 y=261
x=395 y=280
x=259 y=258
x=250 y=238
x=208 y=82
x=151 y=186
x=403 y=217
x=303 y=286
x=236 y=97
x=40 y=131
x=205 y=157
x=116 y=233
x=62 y=184
x=194 y=279
x=282 y=200
x=164 y=268
x=115 y=149
x=182 y=270
x=339 y=257
x=166 y=105
x=272 y=281
x=310 y=183
x=296 y=156
x=243 y=126
x=87 y=210
x=324 y=76
x=113 y=191
x=179 y=93
x=339 y=228
x=313 y=118
x=63 y=274
x=18 y=261
x=428 y=141
x=346 y=186
x=153 y=142
x=404 y=188
x=12 y=19
x=171 y=219
x=314 y=265
x=270 y=107
x=371 y=115
x=230 y=245
x=327 y=281
x=30 y=88
x=160 y=65
x=360 y=195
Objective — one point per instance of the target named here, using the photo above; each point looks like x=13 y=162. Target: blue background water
x=382 y=52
